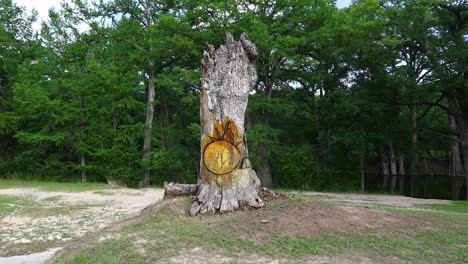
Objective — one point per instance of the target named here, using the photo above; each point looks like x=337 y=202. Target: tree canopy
x=345 y=98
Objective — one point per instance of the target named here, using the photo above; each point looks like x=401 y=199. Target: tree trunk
x=148 y=126
x=385 y=169
x=401 y=174
x=393 y=169
x=362 y=172
x=455 y=164
x=463 y=131
x=227 y=180
x=460 y=119
x=427 y=173
x=83 y=164
x=465 y=162
x=82 y=128
x=414 y=148
x=265 y=172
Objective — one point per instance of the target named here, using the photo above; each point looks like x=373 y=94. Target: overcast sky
x=42 y=6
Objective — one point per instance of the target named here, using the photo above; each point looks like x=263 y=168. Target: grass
x=8 y=204
x=457 y=206
x=170 y=234
x=54 y=186
x=39 y=211
x=117 y=252
x=53 y=199
x=455 y=211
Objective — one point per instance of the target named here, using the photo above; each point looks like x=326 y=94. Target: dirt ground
x=296 y=219
x=299 y=218
x=52 y=217
x=75 y=219
x=391 y=200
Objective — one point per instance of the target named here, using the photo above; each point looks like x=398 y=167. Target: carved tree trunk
x=227 y=181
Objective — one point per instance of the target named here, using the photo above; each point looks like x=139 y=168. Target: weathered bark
x=393 y=169
x=178 y=189
x=227 y=180
x=148 y=126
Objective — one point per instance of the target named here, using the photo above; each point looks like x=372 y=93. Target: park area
x=96 y=223
x=233 y=131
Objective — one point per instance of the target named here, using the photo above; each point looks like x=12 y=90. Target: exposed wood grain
x=227 y=181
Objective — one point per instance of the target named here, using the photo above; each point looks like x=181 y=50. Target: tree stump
x=227 y=181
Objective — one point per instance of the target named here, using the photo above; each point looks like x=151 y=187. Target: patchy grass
x=8 y=204
x=451 y=212
x=54 y=186
x=41 y=211
x=117 y=252
x=53 y=199
x=457 y=207
x=297 y=231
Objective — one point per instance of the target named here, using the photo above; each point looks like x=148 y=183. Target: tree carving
x=227 y=181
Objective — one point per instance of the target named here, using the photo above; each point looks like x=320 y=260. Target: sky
x=42 y=6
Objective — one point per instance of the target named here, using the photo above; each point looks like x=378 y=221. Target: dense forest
x=373 y=96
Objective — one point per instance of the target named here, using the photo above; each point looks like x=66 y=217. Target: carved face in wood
x=222 y=152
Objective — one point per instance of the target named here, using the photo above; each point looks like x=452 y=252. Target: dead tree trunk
x=227 y=180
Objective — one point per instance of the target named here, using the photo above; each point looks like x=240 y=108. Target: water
x=36 y=258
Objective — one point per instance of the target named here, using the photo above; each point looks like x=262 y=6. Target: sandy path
x=56 y=217
x=392 y=200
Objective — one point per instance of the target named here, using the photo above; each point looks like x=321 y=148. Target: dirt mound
x=299 y=218
x=304 y=218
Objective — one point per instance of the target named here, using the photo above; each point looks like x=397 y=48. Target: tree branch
x=430 y=107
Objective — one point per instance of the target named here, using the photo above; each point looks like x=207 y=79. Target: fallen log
x=178 y=189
